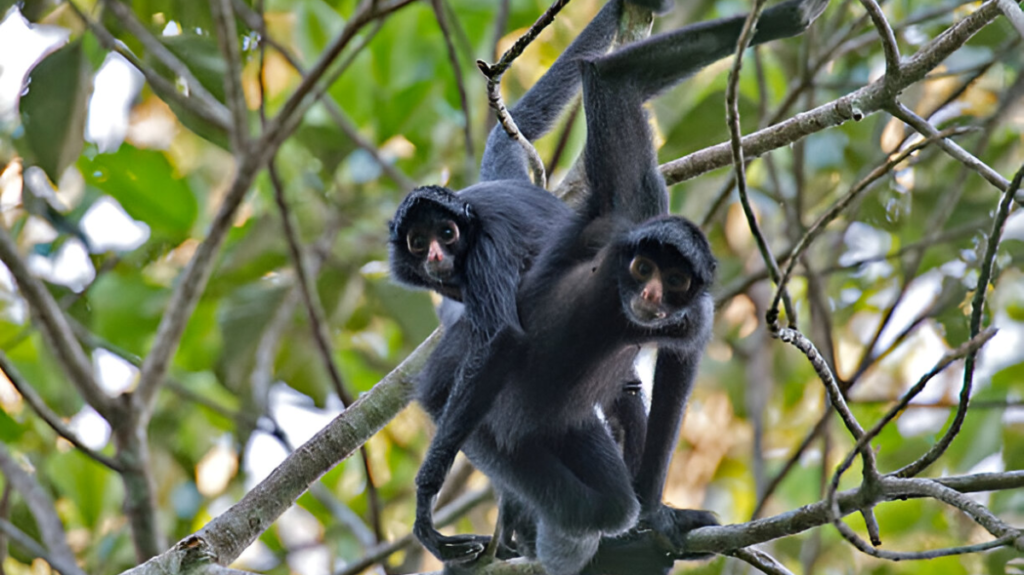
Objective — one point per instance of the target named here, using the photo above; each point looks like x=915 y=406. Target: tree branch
x=853 y=106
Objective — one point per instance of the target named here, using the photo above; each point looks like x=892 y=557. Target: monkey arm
x=674 y=375
x=479 y=379
x=537 y=110
x=661 y=61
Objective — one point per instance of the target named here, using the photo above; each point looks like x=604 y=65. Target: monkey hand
x=456 y=549
x=671 y=525
x=453 y=549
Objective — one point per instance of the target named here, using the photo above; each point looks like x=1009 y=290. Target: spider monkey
x=472 y=246
x=620 y=274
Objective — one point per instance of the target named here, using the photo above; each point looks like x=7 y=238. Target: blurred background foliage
x=231 y=410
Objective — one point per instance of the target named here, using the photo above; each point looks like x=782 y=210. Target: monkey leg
x=627 y=417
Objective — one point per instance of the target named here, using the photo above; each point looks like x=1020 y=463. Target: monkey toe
x=671 y=525
x=461 y=548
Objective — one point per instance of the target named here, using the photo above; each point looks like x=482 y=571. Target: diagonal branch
x=43 y=411
x=853 y=106
x=197 y=273
x=153 y=45
x=977 y=311
x=55 y=328
x=163 y=87
x=41 y=506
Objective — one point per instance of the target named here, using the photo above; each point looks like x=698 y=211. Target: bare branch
x=256 y=23
x=444 y=516
x=977 y=311
x=227 y=39
x=732 y=113
x=55 y=328
x=892 y=50
x=297 y=104
x=761 y=561
x=815 y=230
x=43 y=411
x=453 y=58
x=1012 y=11
x=854 y=106
x=153 y=45
x=971 y=347
x=164 y=88
x=963 y=156
x=494 y=74
x=224 y=538
x=43 y=511
x=66 y=566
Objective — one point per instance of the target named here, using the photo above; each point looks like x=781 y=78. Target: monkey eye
x=677 y=281
x=449 y=232
x=642 y=268
x=417 y=242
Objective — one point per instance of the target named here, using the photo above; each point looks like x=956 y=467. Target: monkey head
x=664 y=264
x=429 y=238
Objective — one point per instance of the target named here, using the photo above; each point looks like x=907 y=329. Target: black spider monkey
x=473 y=245
x=620 y=275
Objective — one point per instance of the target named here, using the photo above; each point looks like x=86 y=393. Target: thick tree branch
x=224 y=538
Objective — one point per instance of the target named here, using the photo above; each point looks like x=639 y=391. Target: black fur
x=520 y=401
x=503 y=226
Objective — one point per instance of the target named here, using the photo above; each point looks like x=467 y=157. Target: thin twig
x=53 y=324
x=60 y=564
x=761 y=561
x=153 y=46
x=889 y=45
x=445 y=516
x=1012 y=11
x=297 y=103
x=853 y=106
x=977 y=311
x=739 y=165
x=164 y=88
x=494 y=72
x=40 y=505
x=256 y=23
x=971 y=347
x=923 y=127
x=52 y=419
x=227 y=39
x=876 y=174
x=460 y=83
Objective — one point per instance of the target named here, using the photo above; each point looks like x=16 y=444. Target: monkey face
x=657 y=288
x=432 y=244
x=435 y=240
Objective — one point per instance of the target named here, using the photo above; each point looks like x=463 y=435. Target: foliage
x=246 y=383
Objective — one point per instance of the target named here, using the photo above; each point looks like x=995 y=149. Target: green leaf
x=147 y=187
x=125 y=309
x=9 y=429
x=94 y=489
x=54 y=109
